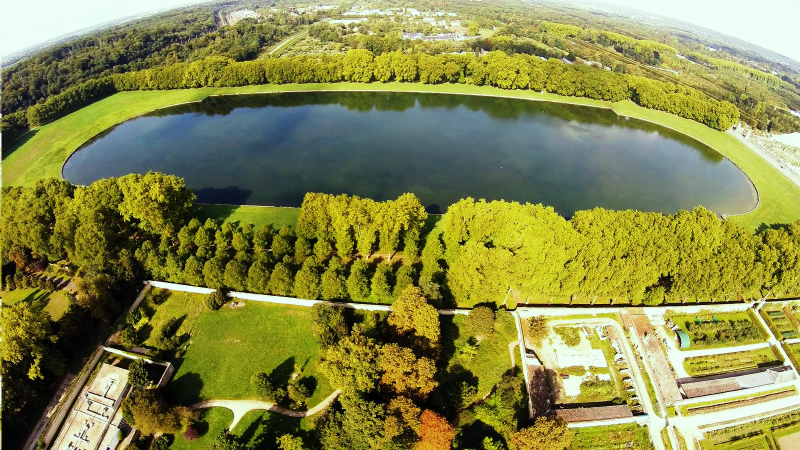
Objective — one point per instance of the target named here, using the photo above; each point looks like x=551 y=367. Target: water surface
x=272 y=149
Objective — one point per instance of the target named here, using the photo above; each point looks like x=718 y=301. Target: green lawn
x=257 y=215
x=55 y=303
x=485 y=362
x=230 y=345
x=212 y=422
x=42 y=152
x=163 y=305
x=628 y=436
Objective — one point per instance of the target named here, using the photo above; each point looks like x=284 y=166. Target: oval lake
x=271 y=149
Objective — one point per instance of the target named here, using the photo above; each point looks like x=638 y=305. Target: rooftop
x=594 y=414
x=87 y=424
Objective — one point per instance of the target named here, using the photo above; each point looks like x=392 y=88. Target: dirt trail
x=242 y=407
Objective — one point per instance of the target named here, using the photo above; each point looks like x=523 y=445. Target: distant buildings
x=93 y=423
x=435 y=37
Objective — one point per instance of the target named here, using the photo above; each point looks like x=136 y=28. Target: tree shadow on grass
x=283 y=373
x=265 y=431
x=185 y=390
x=10 y=146
x=475 y=433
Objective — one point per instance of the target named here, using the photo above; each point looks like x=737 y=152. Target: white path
x=242 y=407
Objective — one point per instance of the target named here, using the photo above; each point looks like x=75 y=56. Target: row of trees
x=139 y=226
x=493 y=69
x=630 y=256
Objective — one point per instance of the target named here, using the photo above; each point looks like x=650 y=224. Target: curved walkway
x=290 y=39
x=241 y=407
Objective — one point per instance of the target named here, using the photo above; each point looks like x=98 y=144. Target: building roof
x=87 y=424
x=710 y=387
x=594 y=414
x=736 y=382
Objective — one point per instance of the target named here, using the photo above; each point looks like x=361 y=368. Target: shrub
x=480 y=321
x=129 y=338
x=191 y=434
x=10 y=284
x=538 y=329
x=596 y=388
x=266 y=389
x=160 y=443
x=298 y=394
x=570 y=335
x=573 y=370
x=137 y=374
x=216 y=299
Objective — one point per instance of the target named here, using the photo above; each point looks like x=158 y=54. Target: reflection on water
x=272 y=149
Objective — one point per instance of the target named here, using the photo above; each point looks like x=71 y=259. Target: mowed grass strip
x=230 y=345
x=42 y=152
x=701 y=366
x=628 y=436
x=257 y=215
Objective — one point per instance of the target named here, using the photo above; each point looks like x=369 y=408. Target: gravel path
x=242 y=407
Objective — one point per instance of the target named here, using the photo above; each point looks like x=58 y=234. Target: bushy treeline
x=493 y=69
x=628 y=256
x=141 y=225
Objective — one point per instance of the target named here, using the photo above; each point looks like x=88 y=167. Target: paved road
x=286 y=41
x=656 y=423
x=768 y=157
x=242 y=407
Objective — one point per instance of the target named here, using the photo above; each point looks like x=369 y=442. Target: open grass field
x=228 y=346
x=42 y=152
x=486 y=361
x=55 y=303
x=628 y=436
x=720 y=330
x=703 y=366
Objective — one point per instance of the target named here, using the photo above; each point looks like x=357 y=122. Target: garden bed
x=707 y=331
x=737 y=402
x=701 y=366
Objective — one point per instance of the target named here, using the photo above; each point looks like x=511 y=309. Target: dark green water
x=272 y=149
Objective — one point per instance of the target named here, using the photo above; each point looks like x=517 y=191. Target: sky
x=769 y=24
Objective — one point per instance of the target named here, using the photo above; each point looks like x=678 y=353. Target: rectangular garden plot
x=781 y=322
x=702 y=366
x=720 y=330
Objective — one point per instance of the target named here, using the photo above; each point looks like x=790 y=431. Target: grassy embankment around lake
x=42 y=152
